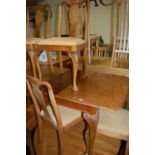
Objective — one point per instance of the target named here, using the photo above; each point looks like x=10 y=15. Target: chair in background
x=40 y=15
x=115 y=124
x=73 y=44
x=30 y=125
x=121 y=33
x=58 y=117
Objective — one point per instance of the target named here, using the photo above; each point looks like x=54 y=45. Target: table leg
x=74 y=58
x=89 y=133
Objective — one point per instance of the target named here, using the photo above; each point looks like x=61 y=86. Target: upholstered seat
x=68 y=115
x=114 y=124
x=62 y=41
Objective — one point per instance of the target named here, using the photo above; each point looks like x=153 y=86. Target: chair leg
x=122 y=149
x=84 y=135
x=60 y=62
x=29 y=141
x=127 y=148
x=60 y=142
x=40 y=129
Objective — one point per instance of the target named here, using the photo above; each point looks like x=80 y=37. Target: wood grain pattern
x=98 y=90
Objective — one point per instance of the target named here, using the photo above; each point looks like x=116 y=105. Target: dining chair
x=58 y=117
x=115 y=124
x=40 y=15
x=73 y=44
x=120 y=54
x=101 y=52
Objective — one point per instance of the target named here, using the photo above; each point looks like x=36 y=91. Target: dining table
x=96 y=91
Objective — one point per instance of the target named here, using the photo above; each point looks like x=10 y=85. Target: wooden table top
x=97 y=90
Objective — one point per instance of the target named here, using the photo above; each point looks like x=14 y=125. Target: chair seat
x=33 y=40
x=114 y=124
x=68 y=115
x=62 y=41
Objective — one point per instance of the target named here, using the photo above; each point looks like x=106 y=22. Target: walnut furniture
x=72 y=44
x=96 y=91
x=58 y=117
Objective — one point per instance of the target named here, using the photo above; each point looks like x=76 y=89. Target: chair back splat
x=78 y=18
x=41 y=100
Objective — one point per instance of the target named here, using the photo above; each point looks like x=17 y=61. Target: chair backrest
x=30 y=61
x=38 y=11
x=42 y=96
x=121 y=45
x=78 y=18
x=121 y=26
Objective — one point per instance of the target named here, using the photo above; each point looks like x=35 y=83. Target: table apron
x=77 y=106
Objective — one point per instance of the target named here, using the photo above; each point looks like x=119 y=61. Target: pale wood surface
x=103 y=65
x=114 y=124
x=102 y=69
x=98 y=90
x=106 y=62
x=39 y=10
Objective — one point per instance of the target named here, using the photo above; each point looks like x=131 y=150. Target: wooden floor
x=73 y=141
x=103 y=65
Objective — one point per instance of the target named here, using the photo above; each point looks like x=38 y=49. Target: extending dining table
x=96 y=91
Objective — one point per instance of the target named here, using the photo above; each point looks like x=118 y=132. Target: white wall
x=100 y=21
